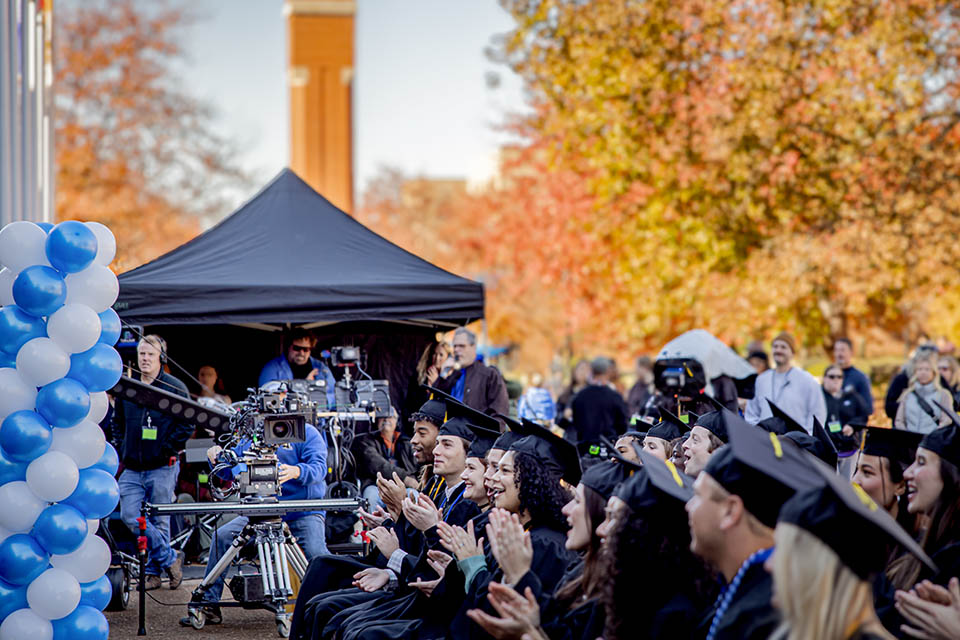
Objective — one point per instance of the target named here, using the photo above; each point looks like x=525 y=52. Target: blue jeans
x=154 y=486
x=308 y=530
x=372 y=494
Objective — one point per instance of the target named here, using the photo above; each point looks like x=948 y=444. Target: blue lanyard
x=726 y=596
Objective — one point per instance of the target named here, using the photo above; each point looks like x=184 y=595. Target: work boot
x=175 y=571
x=153 y=582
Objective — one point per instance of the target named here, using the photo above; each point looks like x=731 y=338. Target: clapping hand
x=933 y=611
x=510 y=544
x=461 y=543
x=392 y=492
x=374 y=519
x=371 y=579
x=438 y=561
x=519 y=615
x=385 y=539
x=422 y=513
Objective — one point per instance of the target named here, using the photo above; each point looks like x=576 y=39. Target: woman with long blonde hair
x=919 y=408
x=830 y=542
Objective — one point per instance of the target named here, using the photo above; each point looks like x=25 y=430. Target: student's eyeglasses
x=301 y=349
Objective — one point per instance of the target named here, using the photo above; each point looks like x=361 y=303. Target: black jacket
x=598 y=410
x=483 y=389
x=129 y=420
x=371 y=455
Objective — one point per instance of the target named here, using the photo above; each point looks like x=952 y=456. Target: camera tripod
x=277 y=552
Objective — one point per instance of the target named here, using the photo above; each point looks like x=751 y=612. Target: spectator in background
x=791 y=388
x=429 y=370
x=536 y=403
x=579 y=379
x=844 y=406
x=949 y=370
x=900 y=381
x=642 y=390
x=298 y=364
x=598 y=410
x=918 y=410
x=853 y=377
x=473 y=383
x=759 y=360
x=385 y=451
x=211 y=386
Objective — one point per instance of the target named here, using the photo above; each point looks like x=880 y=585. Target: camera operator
x=298 y=364
x=149 y=443
x=302 y=470
x=385 y=451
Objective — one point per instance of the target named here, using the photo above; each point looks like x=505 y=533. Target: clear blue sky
x=421 y=102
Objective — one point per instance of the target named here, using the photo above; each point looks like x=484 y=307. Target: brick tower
x=320 y=73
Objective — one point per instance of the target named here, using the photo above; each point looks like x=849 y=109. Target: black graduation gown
x=750 y=616
x=557 y=619
x=407 y=603
x=327 y=573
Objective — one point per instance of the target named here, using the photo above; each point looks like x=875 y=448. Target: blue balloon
x=22 y=559
x=71 y=246
x=39 y=290
x=96 y=495
x=98 y=368
x=63 y=403
x=109 y=462
x=109 y=327
x=46 y=226
x=12 y=598
x=96 y=594
x=85 y=623
x=24 y=436
x=7 y=361
x=17 y=327
x=11 y=471
x=60 y=529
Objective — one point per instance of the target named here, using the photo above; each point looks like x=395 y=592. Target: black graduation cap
x=716 y=423
x=515 y=431
x=672 y=427
x=432 y=411
x=557 y=454
x=773 y=424
x=469 y=424
x=847 y=520
x=605 y=477
x=719 y=406
x=656 y=483
x=692 y=417
x=788 y=422
x=759 y=468
x=945 y=442
x=893 y=444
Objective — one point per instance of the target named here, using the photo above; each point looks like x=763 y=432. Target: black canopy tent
x=289 y=257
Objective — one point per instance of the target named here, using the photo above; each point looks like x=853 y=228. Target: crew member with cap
x=835 y=537
x=793 y=389
x=732 y=514
x=709 y=433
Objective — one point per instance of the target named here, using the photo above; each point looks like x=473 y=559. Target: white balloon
x=92 y=526
x=84 y=442
x=19 y=508
x=96 y=286
x=87 y=563
x=53 y=476
x=6 y=286
x=74 y=327
x=15 y=394
x=53 y=594
x=40 y=361
x=25 y=623
x=23 y=244
x=99 y=403
x=106 y=243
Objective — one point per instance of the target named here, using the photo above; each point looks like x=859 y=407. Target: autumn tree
x=134 y=149
x=754 y=164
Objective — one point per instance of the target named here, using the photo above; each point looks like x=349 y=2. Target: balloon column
x=57 y=360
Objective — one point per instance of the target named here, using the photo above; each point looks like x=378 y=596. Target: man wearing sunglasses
x=298 y=364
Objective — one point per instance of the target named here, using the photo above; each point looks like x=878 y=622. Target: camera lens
x=281 y=429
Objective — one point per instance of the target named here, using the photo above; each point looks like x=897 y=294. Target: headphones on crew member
x=159 y=343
